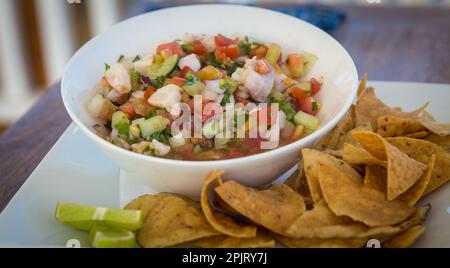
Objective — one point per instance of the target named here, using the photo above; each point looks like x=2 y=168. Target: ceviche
x=139 y=98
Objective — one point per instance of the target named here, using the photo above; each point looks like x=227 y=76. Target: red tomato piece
x=310 y=106
x=259 y=51
x=141 y=107
x=298 y=93
x=185 y=150
x=179 y=81
x=315 y=86
x=184 y=71
x=128 y=108
x=199 y=48
x=148 y=92
x=223 y=41
x=172 y=47
x=230 y=52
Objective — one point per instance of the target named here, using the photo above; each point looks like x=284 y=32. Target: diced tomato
x=315 y=86
x=199 y=48
x=230 y=52
x=171 y=48
x=259 y=51
x=185 y=150
x=175 y=80
x=220 y=57
x=184 y=71
x=222 y=41
x=235 y=154
x=128 y=108
x=310 y=106
x=141 y=107
x=252 y=143
x=298 y=93
x=148 y=92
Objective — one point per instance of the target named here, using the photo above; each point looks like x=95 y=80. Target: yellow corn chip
x=219 y=221
x=402 y=171
x=406 y=239
x=345 y=197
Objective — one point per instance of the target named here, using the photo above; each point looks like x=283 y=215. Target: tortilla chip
x=422 y=151
x=402 y=171
x=332 y=138
x=440 y=129
x=146 y=202
x=392 y=126
x=418 y=135
x=322 y=243
x=311 y=161
x=261 y=240
x=347 y=137
x=274 y=208
x=406 y=239
x=413 y=194
x=321 y=222
x=297 y=182
x=173 y=220
x=356 y=155
x=345 y=197
x=443 y=141
x=362 y=84
x=376 y=178
x=219 y=221
x=369 y=108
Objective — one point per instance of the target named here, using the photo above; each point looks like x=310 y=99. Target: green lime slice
x=84 y=217
x=106 y=237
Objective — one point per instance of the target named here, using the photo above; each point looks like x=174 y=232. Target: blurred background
x=38 y=37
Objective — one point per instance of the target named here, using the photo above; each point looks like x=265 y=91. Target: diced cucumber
x=308 y=61
x=229 y=85
x=308 y=121
x=136 y=122
x=119 y=117
x=162 y=69
x=152 y=125
x=273 y=53
x=276 y=95
x=195 y=88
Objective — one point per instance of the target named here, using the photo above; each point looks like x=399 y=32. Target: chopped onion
x=215 y=85
x=138 y=94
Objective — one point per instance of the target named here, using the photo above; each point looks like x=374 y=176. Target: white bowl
x=140 y=35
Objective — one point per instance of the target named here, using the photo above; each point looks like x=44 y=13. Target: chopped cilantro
x=136 y=58
x=158 y=82
x=120 y=58
x=123 y=129
x=107 y=67
x=187 y=47
x=315 y=106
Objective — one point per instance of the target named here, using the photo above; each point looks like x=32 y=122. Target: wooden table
x=388 y=43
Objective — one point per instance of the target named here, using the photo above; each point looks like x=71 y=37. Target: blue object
x=324 y=18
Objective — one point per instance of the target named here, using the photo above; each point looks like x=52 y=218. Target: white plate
x=74 y=170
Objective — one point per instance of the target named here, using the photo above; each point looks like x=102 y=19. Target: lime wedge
x=106 y=237
x=84 y=217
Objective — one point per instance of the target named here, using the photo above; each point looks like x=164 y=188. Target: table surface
x=394 y=44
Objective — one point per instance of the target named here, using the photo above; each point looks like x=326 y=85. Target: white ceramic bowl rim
x=272 y=153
